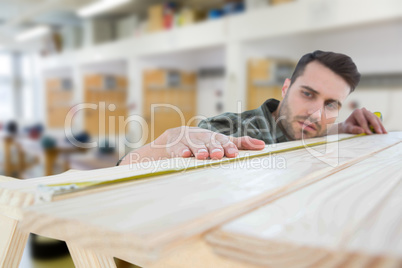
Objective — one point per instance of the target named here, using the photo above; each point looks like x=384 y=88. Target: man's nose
x=314 y=113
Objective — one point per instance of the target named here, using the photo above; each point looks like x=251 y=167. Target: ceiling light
x=99 y=7
x=33 y=33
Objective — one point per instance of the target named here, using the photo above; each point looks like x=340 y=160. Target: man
x=312 y=98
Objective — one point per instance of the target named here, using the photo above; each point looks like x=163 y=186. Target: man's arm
x=359 y=122
x=192 y=141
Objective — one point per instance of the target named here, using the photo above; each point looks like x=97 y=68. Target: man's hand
x=193 y=141
x=360 y=121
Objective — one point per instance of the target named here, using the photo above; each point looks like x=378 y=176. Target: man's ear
x=285 y=87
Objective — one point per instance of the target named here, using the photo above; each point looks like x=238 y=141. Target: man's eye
x=307 y=94
x=332 y=105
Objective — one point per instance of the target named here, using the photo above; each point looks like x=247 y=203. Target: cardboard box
x=154 y=78
x=155 y=18
x=265 y=79
x=105 y=82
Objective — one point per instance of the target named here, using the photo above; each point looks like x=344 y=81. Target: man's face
x=312 y=103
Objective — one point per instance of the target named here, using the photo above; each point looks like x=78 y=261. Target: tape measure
x=48 y=191
x=379 y=115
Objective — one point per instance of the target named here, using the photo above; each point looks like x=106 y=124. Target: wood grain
x=197 y=254
x=86 y=258
x=22 y=193
x=353 y=218
x=12 y=242
x=6 y=179
x=142 y=222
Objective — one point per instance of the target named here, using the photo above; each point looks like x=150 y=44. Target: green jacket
x=258 y=123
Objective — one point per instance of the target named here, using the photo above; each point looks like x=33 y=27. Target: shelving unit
x=108 y=93
x=262 y=80
x=59 y=96
x=298 y=17
x=169 y=100
x=361 y=29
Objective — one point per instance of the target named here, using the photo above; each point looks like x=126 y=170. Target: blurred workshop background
x=82 y=82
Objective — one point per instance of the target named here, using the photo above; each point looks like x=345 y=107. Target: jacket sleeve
x=226 y=124
x=236 y=125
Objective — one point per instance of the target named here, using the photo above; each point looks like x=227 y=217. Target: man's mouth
x=307 y=126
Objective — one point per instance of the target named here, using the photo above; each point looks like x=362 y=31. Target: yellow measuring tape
x=48 y=191
x=379 y=115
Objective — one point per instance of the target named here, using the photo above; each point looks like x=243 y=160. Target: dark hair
x=340 y=64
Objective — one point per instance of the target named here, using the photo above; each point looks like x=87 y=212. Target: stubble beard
x=283 y=119
x=286 y=118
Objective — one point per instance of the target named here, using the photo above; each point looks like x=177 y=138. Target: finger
x=380 y=126
x=230 y=149
x=179 y=150
x=354 y=129
x=215 y=151
x=208 y=142
x=373 y=120
x=214 y=146
x=200 y=151
x=248 y=143
x=362 y=121
x=197 y=147
x=384 y=131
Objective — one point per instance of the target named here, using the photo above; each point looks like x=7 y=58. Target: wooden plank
x=5 y=210
x=351 y=218
x=6 y=179
x=22 y=193
x=17 y=194
x=12 y=242
x=142 y=222
x=86 y=258
x=197 y=254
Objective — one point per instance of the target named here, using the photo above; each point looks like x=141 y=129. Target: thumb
x=248 y=143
